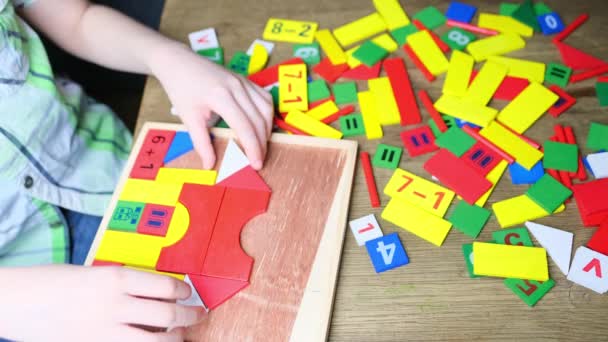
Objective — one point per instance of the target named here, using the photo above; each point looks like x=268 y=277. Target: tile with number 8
x=290 y=31
x=386 y=252
x=457 y=38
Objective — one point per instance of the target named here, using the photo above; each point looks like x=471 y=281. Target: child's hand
x=75 y=303
x=197 y=87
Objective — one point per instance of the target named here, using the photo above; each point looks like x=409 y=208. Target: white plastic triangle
x=558 y=243
x=234 y=161
x=194 y=299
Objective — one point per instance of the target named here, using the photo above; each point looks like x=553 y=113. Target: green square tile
x=513 y=236
x=240 y=63
x=431 y=17
x=126 y=216
x=469 y=219
x=352 y=125
x=548 y=193
x=457 y=38
x=216 y=55
x=601 y=91
x=558 y=74
x=400 y=34
x=596 y=139
x=369 y=53
x=449 y=122
x=560 y=156
x=540 y=8
x=455 y=140
x=467 y=252
x=387 y=156
x=274 y=92
x=318 y=90
x=530 y=291
x=526 y=14
x=507 y=8
x=345 y=92
x=310 y=53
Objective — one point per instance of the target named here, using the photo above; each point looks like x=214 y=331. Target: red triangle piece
x=215 y=291
x=577 y=59
x=363 y=72
x=246 y=178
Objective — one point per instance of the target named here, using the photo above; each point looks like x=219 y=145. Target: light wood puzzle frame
x=313 y=316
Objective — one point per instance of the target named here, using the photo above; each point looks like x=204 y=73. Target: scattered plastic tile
x=596 y=139
x=400 y=34
x=560 y=156
x=558 y=74
x=469 y=219
x=457 y=38
x=455 y=140
x=519 y=175
x=431 y=17
x=317 y=90
x=386 y=252
x=549 y=193
x=530 y=291
x=387 y=156
x=601 y=90
x=462 y=12
x=345 y=92
x=369 y=53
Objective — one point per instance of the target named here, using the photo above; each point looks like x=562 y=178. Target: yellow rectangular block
x=360 y=29
x=393 y=14
x=527 y=107
x=290 y=31
x=459 y=73
x=180 y=176
x=367 y=105
x=519 y=209
x=420 y=192
x=386 y=42
x=533 y=71
x=495 y=45
x=510 y=261
x=168 y=274
x=323 y=110
x=504 y=24
x=494 y=177
x=386 y=105
x=525 y=155
x=311 y=126
x=464 y=110
x=148 y=191
x=330 y=46
x=486 y=83
x=350 y=59
x=417 y=221
x=293 y=88
x=430 y=54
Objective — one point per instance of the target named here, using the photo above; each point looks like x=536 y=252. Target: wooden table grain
x=433 y=297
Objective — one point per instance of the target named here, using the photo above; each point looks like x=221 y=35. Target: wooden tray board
x=296 y=244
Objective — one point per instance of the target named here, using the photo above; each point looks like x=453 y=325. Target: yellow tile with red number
x=293 y=88
x=430 y=54
x=290 y=31
x=510 y=261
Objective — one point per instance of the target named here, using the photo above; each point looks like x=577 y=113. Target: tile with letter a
x=386 y=252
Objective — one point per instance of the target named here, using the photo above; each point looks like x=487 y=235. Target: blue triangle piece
x=181 y=145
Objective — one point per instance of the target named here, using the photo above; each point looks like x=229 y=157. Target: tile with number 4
x=386 y=252
x=365 y=228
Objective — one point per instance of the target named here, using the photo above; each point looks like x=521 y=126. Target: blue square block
x=550 y=23
x=461 y=12
x=519 y=175
x=386 y=252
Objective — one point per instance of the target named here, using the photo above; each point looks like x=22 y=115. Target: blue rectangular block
x=519 y=175
x=461 y=12
x=550 y=23
x=386 y=252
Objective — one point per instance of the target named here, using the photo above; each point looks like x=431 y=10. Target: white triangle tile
x=194 y=299
x=234 y=161
x=558 y=243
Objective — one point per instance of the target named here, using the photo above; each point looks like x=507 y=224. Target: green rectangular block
x=345 y=92
x=352 y=125
x=548 y=193
x=507 y=8
x=469 y=219
x=526 y=14
x=457 y=38
x=317 y=90
x=387 y=156
x=467 y=252
x=310 y=53
x=369 y=53
x=216 y=55
x=601 y=91
x=431 y=17
x=558 y=74
x=400 y=34
x=455 y=140
x=449 y=122
x=560 y=156
x=513 y=236
x=240 y=63
x=126 y=216
x=530 y=291
x=597 y=138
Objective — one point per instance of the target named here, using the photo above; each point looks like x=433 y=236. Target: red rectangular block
x=481 y=158
x=369 y=179
x=591 y=201
x=456 y=174
x=508 y=89
x=363 y=72
x=152 y=154
x=402 y=88
x=270 y=75
x=428 y=104
x=599 y=239
x=419 y=141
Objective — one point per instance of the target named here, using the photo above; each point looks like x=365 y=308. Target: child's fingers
x=264 y=107
x=145 y=284
x=199 y=133
x=154 y=313
x=246 y=103
x=138 y=335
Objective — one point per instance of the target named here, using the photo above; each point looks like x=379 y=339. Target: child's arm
x=195 y=86
x=71 y=303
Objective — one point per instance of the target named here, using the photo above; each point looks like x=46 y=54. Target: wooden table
x=433 y=297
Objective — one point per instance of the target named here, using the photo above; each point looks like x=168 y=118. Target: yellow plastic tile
x=258 y=59
x=499 y=44
x=386 y=105
x=311 y=126
x=360 y=29
x=519 y=209
x=459 y=73
x=386 y=42
x=504 y=24
x=367 y=105
x=350 y=59
x=527 y=107
x=181 y=176
x=323 y=110
x=494 y=177
x=486 y=83
x=533 y=71
x=510 y=261
x=393 y=14
x=330 y=46
x=417 y=221
x=147 y=191
x=290 y=31
x=430 y=54
x=293 y=88
x=173 y=275
x=525 y=155
x=420 y=192
x=465 y=110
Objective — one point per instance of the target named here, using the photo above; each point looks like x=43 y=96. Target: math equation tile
x=290 y=31
x=152 y=154
x=293 y=88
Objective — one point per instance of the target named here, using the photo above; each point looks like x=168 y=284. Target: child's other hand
x=197 y=87
x=75 y=303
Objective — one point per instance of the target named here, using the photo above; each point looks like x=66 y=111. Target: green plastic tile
x=400 y=34
x=387 y=156
x=560 y=156
x=345 y=92
x=467 y=252
x=601 y=90
x=449 y=122
x=469 y=219
x=457 y=38
x=513 y=236
x=222 y=124
x=507 y=8
x=274 y=91
x=352 y=125
x=596 y=139
x=216 y=55
x=526 y=14
x=530 y=291
x=540 y=8
x=455 y=140
x=548 y=193
x=431 y=17
x=310 y=53
x=558 y=74
x=369 y=53
x=318 y=90
x=126 y=216
x=240 y=63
